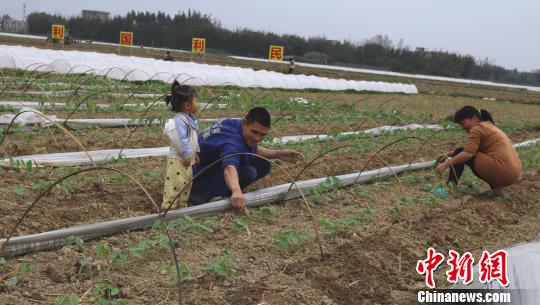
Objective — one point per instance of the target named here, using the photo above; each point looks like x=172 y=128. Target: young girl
x=182 y=132
x=489 y=152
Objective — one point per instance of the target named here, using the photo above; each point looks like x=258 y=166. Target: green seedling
x=349 y=221
x=290 y=240
x=268 y=211
x=393 y=210
x=19 y=191
x=159 y=175
x=29 y=138
x=67 y=300
x=141 y=247
x=87 y=260
x=328 y=185
x=240 y=224
x=113 y=258
x=40 y=184
x=329 y=227
x=107 y=294
x=171 y=272
x=225 y=265
x=186 y=223
x=367 y=213
x=27 y=268
x=408 y=201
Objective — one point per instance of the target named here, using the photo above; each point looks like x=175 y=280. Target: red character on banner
x=126 y=38
x=276 y=54
x=429 y=265
x=57 y=31
x=460 y=267
x=198 y=45
x=493 y=267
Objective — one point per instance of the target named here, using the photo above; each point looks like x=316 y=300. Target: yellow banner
x=126 y=38
x=57 y=31
x=276 y=53
x=198 y=45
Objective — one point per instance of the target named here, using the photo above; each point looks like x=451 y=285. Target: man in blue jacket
x=228 y=177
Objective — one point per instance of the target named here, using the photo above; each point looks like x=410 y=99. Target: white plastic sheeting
x=31 y=120
x=523 y=271
x=398 y=74
x=11 y=61
x=23 y=36
x=56 y=105
x=35 y=105
x=103 y=156
x=108 y=123
x=141 y=69
x=372 y=131
x=70 y=92
x=27 y=120
x=40 y=93
x=88 y=42
x=112 y=123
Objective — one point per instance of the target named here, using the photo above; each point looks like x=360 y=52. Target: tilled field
x=372 y=235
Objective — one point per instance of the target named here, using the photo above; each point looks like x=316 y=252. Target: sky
x=506 y=32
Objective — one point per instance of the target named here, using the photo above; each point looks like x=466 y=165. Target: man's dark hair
x=259 y=115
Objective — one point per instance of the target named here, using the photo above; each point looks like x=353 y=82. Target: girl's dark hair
x=468 y=112
x=180 y=94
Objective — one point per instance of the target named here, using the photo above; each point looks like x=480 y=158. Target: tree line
x=163 y=30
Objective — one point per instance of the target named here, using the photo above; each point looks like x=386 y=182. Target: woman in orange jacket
x=488 y=152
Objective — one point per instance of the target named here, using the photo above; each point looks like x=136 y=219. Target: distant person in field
x=292 y=66
x=225 y=139
x=488 y=152
x=182 y=133
x=168 y=56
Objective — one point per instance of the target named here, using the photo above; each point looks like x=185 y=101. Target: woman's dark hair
x=259 y=115
x=180 y=94
x=468 y=112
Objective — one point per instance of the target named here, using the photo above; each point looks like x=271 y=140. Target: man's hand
x=238 y=200
x=289 y=155
x=231 y=179
x=187 y=162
